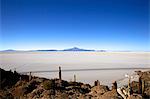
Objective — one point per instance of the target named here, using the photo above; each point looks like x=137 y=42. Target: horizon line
x=55 y=49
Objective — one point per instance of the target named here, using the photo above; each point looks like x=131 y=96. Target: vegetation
x=49 y=84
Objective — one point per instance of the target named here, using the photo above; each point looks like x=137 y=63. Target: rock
x=6 y=95
x=20 y=83
x=19 y=91
x=144 y=75
x=145 y=80
x=86 y=97
x=35 y=89
x=147 y=92
x=135 y=86
x=110 y=95
x=135 y=96
x=114 y=85
x=47 y=94
x=98 y=90
x=36 y=92
x=8 y=78
x=62 y=96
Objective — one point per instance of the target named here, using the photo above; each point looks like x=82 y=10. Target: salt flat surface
x=38 y=61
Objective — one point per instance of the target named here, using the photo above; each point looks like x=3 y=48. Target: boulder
x=98 y=90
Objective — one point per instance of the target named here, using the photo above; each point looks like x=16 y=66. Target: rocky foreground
x=16 y=86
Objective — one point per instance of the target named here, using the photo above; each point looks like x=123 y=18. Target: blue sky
x=59 y=24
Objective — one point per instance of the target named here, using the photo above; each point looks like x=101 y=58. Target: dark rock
x=8 y=78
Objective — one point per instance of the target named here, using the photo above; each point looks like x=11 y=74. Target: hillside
x=14 y=85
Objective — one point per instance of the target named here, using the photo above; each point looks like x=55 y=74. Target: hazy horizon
x=109 y=50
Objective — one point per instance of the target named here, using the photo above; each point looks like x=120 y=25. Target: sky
x=60 y=24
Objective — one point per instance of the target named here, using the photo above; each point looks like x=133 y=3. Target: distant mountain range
x=69 y=49
x=9 y=50
x=46 y=50
x=77 y=49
